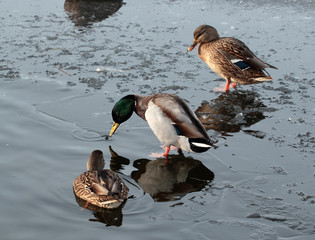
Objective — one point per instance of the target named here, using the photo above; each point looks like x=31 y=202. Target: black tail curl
x=200 y=145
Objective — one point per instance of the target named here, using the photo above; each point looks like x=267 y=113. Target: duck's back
x=181 y=115
x=113 y=183
x=84 y=185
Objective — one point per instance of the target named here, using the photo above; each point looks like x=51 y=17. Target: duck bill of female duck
x=193 y=45
x=114 y=128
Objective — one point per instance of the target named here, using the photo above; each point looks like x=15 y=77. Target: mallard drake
x=229 y=57
x=169 y=117
x=101 y=188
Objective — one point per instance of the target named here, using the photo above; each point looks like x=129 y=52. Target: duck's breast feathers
x=180 y=115
x=239 y=54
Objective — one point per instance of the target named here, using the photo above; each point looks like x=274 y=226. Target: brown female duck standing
x=101 y=188
x=229 y=57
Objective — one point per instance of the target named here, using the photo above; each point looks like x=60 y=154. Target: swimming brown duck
x=229 y=58
x=100 y=187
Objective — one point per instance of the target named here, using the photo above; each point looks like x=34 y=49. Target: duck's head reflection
x=229 y=112
x=86 y=12
x=171 y=181
x=116 y=161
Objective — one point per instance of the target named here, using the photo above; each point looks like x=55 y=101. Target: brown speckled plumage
x=229 y=57
x=95 y=187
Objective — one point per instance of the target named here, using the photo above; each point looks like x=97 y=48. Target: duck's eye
x=200 y=34
x=196 y=37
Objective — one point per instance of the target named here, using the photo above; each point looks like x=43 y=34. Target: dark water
x=61 y=71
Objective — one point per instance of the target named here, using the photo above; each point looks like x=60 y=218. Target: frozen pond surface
x=61 y=71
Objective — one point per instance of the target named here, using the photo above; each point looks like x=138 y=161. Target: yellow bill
x=114 y=128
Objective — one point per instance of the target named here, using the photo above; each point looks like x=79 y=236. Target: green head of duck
x=122 y=111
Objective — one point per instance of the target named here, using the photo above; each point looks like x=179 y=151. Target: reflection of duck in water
x=172 y=181
x=117 y=161
x=111 y=217
x=167 y=182
x=229 y=57
x=169 y=117
x=230 y=112
x=100 y=188
x=85 y=12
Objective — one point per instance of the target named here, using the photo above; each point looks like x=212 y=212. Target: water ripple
x=88 y=135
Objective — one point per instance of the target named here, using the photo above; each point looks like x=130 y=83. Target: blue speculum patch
x=177 y=130
x=242 y=65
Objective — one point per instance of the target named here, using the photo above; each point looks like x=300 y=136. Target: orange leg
x=86 y=205
x=234 y=85
x=167 y=150
x=227 y=86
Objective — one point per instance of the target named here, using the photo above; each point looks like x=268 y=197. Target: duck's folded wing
x=180 y=114
x=99 y=189
x=113 y=182
x=239 y=54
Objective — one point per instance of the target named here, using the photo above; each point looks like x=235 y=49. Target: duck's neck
x=95 y=165
x=141 y=105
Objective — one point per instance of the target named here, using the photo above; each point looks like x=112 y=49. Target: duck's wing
x=239 y=54
x=89 y=186
x=95 y=183
x=181 y=116
x=99 y=189
x=112 y=182
x=88 y=183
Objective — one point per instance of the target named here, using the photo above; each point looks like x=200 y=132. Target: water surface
x=61 y=71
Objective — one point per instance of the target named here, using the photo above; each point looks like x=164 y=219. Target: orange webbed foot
x=226 y=88
x=165 y=154
x=156 y=155
x=222 y=88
